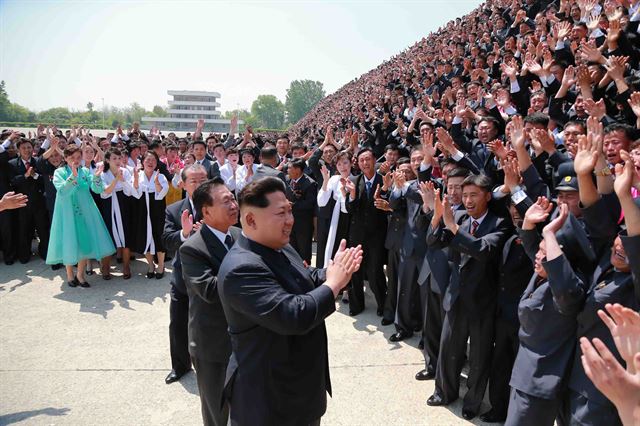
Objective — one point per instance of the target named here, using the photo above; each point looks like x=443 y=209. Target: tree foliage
x=302 y=95
x=268 y=111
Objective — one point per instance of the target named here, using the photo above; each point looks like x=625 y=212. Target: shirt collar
x=480 y=219
x=369 y=180
x=220 y=235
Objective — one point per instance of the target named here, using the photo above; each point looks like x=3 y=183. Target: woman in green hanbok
x=78 y=232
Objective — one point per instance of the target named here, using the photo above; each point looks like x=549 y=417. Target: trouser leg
x=527 y=410
x=178 y=332
x=432 y=327
x=407 y=278
x=480 y=350
x=391 y=302
x=451 y=355
x=210 y=377
x=504 y=355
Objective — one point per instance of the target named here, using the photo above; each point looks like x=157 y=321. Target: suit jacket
x=265 y=170
x=212 y=168
x=515 y=273
x=475 y=259
x=172 y=241
x=278 y=373
x=31 y=187
x=367 y=223
x=201 y=256
x=414 y=241
x=304 y=201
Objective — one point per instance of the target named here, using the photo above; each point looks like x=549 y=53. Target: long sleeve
x=165 y=187
x=482 y=248
x=567 y=288
x=198 y=273
x=254 y=291
x=64 y=183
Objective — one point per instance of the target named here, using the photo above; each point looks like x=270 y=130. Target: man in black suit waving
x=302 y=191
x=201 y=256
x=181 y=220
x=475 y=239
x=278 y=373
x=368 y=227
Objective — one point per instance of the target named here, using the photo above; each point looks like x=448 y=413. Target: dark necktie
x=228 y=241
x=474 y=227
x=368 y=185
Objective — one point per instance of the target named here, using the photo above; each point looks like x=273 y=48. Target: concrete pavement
x=99 y=356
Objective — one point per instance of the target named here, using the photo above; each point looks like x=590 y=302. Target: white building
x=186 y=108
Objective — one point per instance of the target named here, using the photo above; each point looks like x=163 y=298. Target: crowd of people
x=490 y=174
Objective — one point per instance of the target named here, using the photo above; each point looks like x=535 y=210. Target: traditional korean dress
x=77 y=230
x=117 y=208
x=150 y=213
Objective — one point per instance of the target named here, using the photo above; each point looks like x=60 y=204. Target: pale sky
x=67 y=53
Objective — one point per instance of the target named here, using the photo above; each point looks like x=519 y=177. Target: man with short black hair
x=302 y=191
x=201 y=256
x=278 y=372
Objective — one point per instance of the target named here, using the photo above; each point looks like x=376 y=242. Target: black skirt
x=124 y=203
x=156 y=213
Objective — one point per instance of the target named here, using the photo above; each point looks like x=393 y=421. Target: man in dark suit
x=200 y=152
x=201 y=256
x=475 y=240
x=278 y=373
x=302 y=191
x=7 y=231
x=26 y=180
x=181 y=221
x=368 y=227
x=268 y=164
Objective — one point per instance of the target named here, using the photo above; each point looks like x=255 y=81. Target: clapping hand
x=11 y=200
x=555 y=225
x=186 y=221
x=427 y=192
x=624 y=325
x=345 y=262
x=379 y=202
x=448 y=217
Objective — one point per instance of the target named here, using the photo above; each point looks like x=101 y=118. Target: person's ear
x=250 y=220
x=487 y=196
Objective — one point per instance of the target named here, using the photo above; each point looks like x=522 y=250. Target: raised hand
x=186 y=220
x=585 y=160
x=615 y=66
x=497 y=147
x=619 y=386
x=634 y=103
x=624 y=325
x=511 y=173
x=387 y=180
x=428 y=150
x=74 y=169
x=325 y=173
x=448 y=217
x=445 y=140
x=595 y=109
x=569 y=77
x=537 y=213
x=556 y=224
x=542 y=140
x=438 y=208
x=626 y=177
x=427 y=192
x=517 y=135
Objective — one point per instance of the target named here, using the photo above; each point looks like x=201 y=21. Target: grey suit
x=264 y=170
x=209 y=342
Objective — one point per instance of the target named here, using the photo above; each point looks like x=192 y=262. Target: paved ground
x=99 y=356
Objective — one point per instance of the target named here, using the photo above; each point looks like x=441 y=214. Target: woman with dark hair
x=149 y=222
x=116 y=208
x=78 y=232
x=333 y=191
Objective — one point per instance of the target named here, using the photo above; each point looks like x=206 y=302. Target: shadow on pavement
x=7 y=419
x=103 y=295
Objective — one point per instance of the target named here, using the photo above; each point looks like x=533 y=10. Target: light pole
x=102 y=112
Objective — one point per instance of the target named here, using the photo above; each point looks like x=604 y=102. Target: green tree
x=158 y=111
x=90 y=106
x=302 y=95
x=55 y=115
x=268 y=111
x=5 y=104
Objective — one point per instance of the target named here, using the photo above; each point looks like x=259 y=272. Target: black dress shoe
x=151 y=274
x=172 y=377
x=56 y=266
x=159 y=275
x=379 y=312
x=468 y=414
x=9 y=262
x=493 y=417
x=84 y=284
x=421 y=344
x=435 y=400
x=24 y=261
x=354 y=313
x=425 y=375
x=386 y=321
x=73 y=283
x=399 y=336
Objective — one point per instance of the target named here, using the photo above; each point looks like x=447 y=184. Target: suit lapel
x=215 y=246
